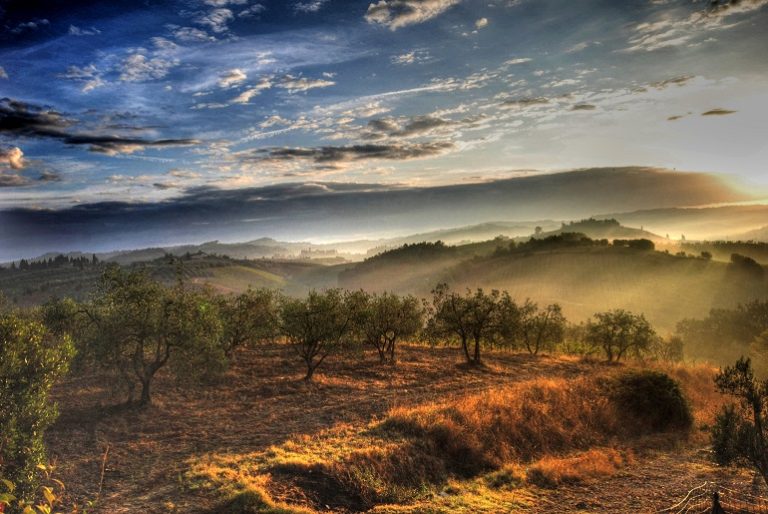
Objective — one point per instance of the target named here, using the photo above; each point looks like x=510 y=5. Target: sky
x=140 y=103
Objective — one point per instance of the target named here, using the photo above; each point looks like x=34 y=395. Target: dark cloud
x=583 y=107
x=331 y=154
x=674 y=81
x=21 y=119
x=524 y=102
x=717 y=112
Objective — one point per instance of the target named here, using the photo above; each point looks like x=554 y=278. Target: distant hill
x=759 y=234
x=341 y=210
x=603 y=229
x=726 y=222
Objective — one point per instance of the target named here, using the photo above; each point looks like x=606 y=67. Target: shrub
x=740 y=433
x=650 y=401
x=31 y=361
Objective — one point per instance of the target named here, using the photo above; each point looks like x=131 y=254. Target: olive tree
x=248 y=318
x=739 y=434
x=471 y=318
x=32 y=359
x=541 y=329
x=382 y=320
x=140 y=326
x=619 y=333
x=317 y=325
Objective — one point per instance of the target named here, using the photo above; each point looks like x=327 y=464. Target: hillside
x=584 y=279
x=264 y=438
x=602 y=229
x=35 y=286
x=712 y=223
x=339 y=211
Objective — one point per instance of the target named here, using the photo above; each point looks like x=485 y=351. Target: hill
x=337 y=211
x=584 y=277
x=602 y=229
x=699 y=223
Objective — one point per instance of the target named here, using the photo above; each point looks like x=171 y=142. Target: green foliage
x=248 y=318
x=726 y=334
x=541 y=329
x=746 y=266
x=651 y=401
x=317 y=325
x=139 y=326
x=645 y=245
x=382 y=320
x=32 y=359
x=619 y=333
x=471 y=317
x=739 y=434
x=670 y=349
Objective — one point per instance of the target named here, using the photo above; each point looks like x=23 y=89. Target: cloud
x=89 y=76
x=339 y=154
x=396 y=14
x=138 y=67
x=673 y=28
x=301 y=84
x=682 y=80
x=416 y=126
x=21 y=119
x=583 y=107
x=216 y=19
x=311 y=6
x=192 y=35
x=3 y=73
x=718 y=112
x=30 y=25
x=224 y=3
x=518 y=60
x=77 y=31
x=252 y=11
x=522 y=103
x=232 y=77
x=245 y=96
x=481 y=23
x=13 y=156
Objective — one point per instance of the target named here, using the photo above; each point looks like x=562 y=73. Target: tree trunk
x=466 y=349
x=310 y=373
x=477 y=350
x=146 y=398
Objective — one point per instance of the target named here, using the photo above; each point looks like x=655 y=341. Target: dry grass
x=425 y=435
x=593 y=464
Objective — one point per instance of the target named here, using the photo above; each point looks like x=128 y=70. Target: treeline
x=60 y=261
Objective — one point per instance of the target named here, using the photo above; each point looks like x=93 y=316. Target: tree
x=317 y=325
x=541 y=329
x=32 y=359
x=382 y=320
x=619 y=333
x=140 y=326
x=248 y=318
x=739 y=434
x=470 y=318
x=726 y=334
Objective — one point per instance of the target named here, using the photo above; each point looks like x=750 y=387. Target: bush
x=650 y=401
x=31 y=360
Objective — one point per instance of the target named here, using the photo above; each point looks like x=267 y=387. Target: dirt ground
x=262 y=401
